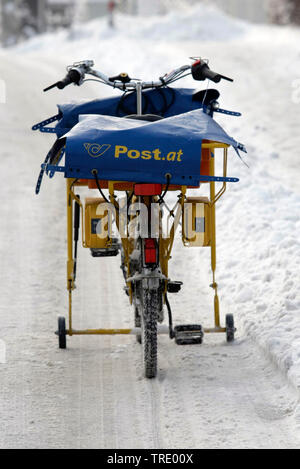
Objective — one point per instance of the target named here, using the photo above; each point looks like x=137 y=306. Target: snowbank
x=200 y=23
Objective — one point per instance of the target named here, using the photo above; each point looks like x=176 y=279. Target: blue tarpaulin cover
x=133 y=150
x=166 y=102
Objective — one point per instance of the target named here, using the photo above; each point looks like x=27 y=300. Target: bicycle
x=123 y=145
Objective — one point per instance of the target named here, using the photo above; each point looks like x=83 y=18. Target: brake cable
x=95 y=174
x=129 y=199
x=161 y=198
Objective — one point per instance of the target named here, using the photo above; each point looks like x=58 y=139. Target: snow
x=202 y=24
x=230 y=395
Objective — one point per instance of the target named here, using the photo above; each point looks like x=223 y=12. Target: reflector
x=150 y=251
x=147 y=189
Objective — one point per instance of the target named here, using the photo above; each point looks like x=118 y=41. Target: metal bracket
x=229 y=113
x=218 y=179
x=41 y=126
x=53 y=168
x=209 y=110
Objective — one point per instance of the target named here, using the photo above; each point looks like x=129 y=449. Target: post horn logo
x=95 y=150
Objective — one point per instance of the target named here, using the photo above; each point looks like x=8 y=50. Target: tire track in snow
x=154 y=393
x=176 y=417
x=110 y=427
x=122 y=423
x=131 y=405
x=131 y=427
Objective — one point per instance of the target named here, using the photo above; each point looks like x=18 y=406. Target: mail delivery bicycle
x=134 y=149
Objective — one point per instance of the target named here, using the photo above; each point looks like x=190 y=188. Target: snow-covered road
x=93 y=395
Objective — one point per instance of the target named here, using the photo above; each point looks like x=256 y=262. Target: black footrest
x=104 y=252
x=174 y=287
x=188 y=334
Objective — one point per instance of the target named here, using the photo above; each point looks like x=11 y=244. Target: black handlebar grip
x=201 y=71
x=63 y=83
x=213 y=76
x=73 y=76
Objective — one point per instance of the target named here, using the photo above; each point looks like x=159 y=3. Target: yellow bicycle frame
x=165 y=244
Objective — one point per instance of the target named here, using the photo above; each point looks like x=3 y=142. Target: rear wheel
x=149 y=331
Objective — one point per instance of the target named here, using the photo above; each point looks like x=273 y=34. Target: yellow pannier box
x=97 y=223
x=196 y=229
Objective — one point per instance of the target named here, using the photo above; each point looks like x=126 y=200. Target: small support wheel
x=62 y=341
x=230 y=329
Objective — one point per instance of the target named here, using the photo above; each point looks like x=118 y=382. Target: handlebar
x=76 y=75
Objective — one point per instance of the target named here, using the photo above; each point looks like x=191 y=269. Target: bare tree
x=279 y=11
x=295 y=11
x=284 y=11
